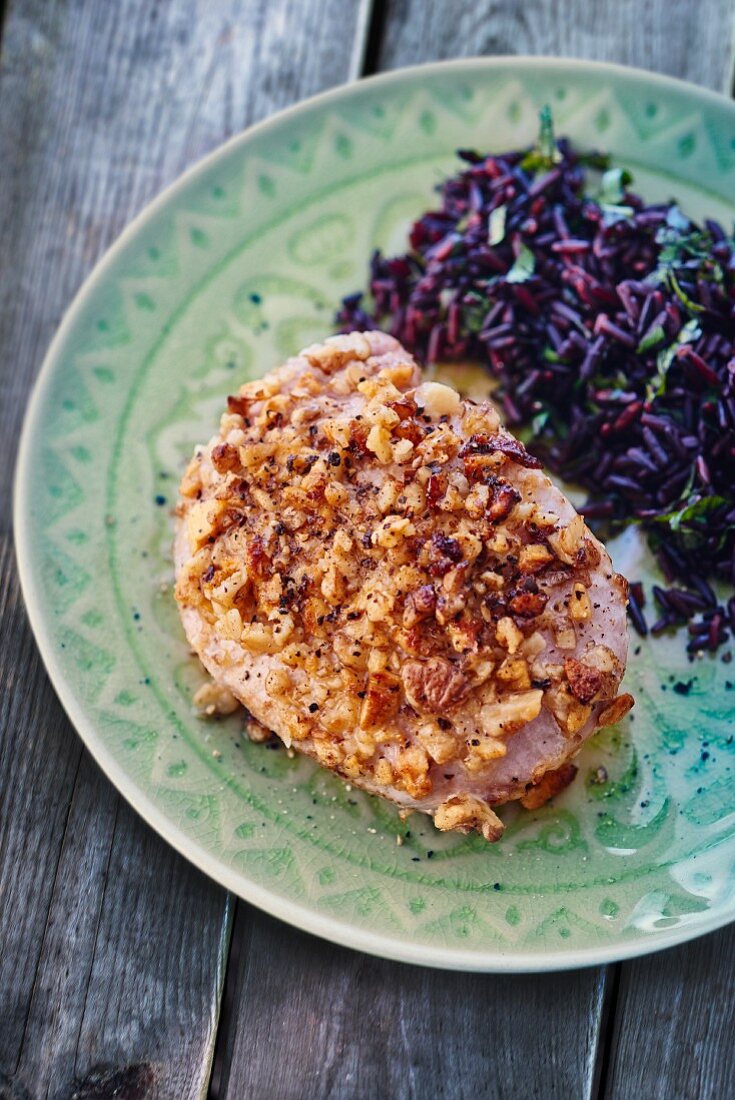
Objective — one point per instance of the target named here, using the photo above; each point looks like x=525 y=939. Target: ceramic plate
x=236 y=266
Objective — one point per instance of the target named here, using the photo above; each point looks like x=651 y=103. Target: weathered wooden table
x=123 y=971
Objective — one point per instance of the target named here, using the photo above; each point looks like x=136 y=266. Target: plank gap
x=608 y=1014
x=363 y=22
x=3 y=6
x=373 y=37
x=229 y=1003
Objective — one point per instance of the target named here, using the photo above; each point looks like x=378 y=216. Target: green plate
x=237 y=265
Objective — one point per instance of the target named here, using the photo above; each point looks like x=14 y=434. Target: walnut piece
x=586 y=682
x=212 y=699
x=571 y=714
x=550 y=784
x=616 y=710
x=534 y=557
x=382 y=700
x=465 y=814
x=437 y=400
x=419 y=605
x=567 y=542
x=257 y=733
x=433 y=686
x=508 y=716
x=202 y=520
x=440 y=744
x=580 y=608
x=508 y=634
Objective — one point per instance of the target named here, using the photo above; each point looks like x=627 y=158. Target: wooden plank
x=37 y=746
x=112 y=946
x=339 y=1024
x=692 y=41
x=101 y=105
x=674 y=1024
x=129 y=978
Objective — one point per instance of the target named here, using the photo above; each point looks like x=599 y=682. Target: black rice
x=635 y=612
x=610 y=325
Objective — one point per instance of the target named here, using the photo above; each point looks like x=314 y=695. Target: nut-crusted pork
x=386 y=578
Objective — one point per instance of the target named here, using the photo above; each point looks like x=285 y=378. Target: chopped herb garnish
x=613 y=186
x=685 y=300
x=655 y=336
x=545 y=154
x=523 y=267
x=657 y=386
x=496 y=225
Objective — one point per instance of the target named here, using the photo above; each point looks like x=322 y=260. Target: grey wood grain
x=674 y=1024
x=103 y=931
x=131 y=969
x=103 y=104
x=340 y=1024
x=689 y=40
x=112 y=947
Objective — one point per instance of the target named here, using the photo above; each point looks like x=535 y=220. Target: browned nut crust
x=584 y=680
x=549 y=786
x=466 y=814
x=382 y=699
x=377 y=570
x=617 y=710
x=433 y=686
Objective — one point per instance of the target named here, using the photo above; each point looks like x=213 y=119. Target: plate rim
x=304 y=917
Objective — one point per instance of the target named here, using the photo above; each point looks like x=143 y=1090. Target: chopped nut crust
x=467 y=814
x=551 y=784
x=385 y=577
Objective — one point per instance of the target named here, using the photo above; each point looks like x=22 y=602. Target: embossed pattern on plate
x=235 y=267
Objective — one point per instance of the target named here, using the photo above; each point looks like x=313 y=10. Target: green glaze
x=235 y=267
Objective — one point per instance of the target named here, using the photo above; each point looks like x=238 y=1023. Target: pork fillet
x=387 y=579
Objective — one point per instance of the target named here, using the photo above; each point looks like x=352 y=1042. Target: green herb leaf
x=550 y=356
x=690 y=523
x=684 y=298
x=613 y=186
x=496 y=225
x=676 y=220
x=651 y=339
x=696 y=508
x=539 y=422
x=684 y=250
x=546 y=140
x=523 y=268
x=657 y=385
x=418 y=258
x=475 y=311
x=612 y=213
x=600 y=161
x=545 y=154
x=680 y=243
x=620 y=394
